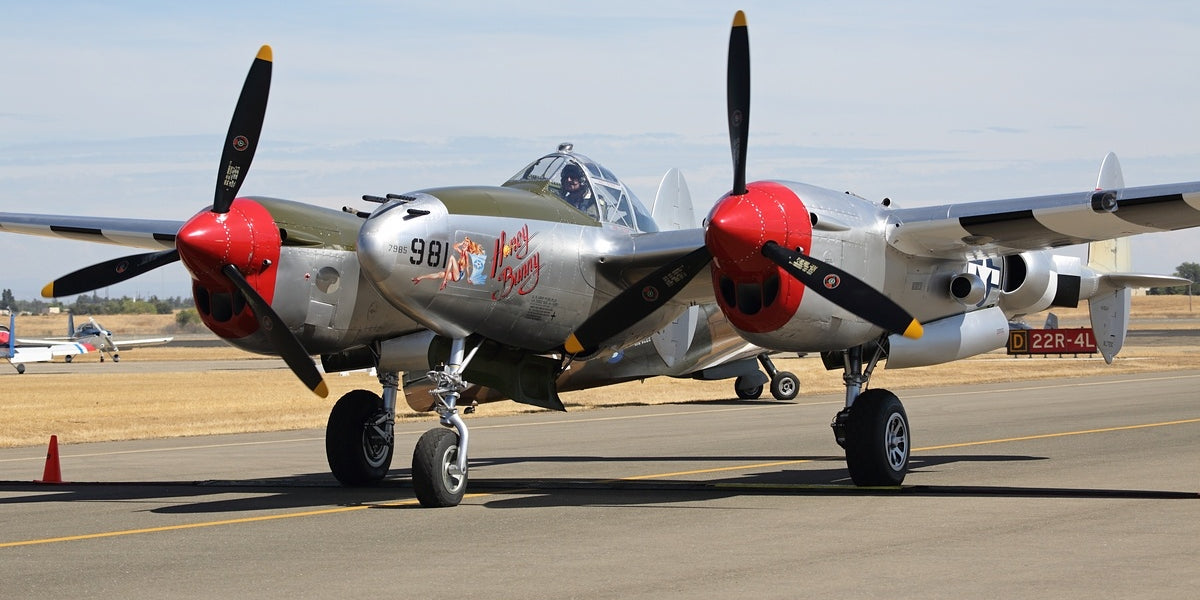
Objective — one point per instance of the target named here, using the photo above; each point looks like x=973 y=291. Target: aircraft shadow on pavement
x=316 y=490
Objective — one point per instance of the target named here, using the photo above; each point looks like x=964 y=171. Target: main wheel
x=785 y=385
x=746 y=393
x=358 y=439
x=435 y=475
x=877 y=439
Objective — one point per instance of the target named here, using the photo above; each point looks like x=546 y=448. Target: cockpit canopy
x=88 y=329
x=603 y=196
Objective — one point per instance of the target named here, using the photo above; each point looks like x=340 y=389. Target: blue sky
x=119 y=109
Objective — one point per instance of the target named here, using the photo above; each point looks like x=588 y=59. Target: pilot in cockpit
x=577 y=192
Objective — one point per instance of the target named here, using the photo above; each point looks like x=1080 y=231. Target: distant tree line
x=1187 y=270
x=94 y=304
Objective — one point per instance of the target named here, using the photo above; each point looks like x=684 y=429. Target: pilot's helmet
x=572 y=170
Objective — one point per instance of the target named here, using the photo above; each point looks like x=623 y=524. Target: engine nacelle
x=949 y=339
x=1035 y=281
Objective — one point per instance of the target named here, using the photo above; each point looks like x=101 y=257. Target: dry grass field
x=87 y=407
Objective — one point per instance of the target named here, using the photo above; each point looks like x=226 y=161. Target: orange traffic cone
x=52 y=472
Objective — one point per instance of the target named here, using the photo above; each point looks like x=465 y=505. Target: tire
x=20 y=368
x=878 y=442
x=746 y=393
x=357 y=454
x=435 y=486
x=785 y=385
x=68 y=358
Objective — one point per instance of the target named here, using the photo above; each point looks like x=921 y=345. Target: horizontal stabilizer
x=1141 y=280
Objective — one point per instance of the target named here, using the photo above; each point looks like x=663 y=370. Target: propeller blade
x=107 y=273
x=244 y=130
x=637 y=301
x=737 y=92
x=845 y=290
x=285 y=342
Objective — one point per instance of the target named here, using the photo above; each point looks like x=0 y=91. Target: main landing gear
x=872 y=428
x=784 y=384
x=360 y=438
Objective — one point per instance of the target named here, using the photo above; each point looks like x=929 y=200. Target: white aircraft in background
x=17 y=357
x=91 y=337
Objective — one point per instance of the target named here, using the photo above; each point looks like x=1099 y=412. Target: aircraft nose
x=396 y=238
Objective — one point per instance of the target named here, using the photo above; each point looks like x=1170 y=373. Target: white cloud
x=119 y=110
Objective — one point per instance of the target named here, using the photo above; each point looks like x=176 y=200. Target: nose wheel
x=439 y=472
x=437 y=479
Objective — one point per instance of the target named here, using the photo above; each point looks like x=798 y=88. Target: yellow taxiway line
x=413 y=502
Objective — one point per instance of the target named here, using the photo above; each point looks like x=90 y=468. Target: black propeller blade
x=107 y=273
x=282 y=338
x=637 y=301
x=844 y=290
x=737 y=95
x=836 y=285
x=244 y=130
x=240 y=144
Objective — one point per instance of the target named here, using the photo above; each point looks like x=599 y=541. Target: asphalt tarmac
x=1078 y=488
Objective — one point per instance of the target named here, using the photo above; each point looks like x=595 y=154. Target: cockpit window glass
x=541 y=170
x=614 y=202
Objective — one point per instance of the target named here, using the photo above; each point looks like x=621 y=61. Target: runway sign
x=1052 y=341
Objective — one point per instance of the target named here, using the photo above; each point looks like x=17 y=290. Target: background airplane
x=91 y=336
x=511 y=292
x=18 y=356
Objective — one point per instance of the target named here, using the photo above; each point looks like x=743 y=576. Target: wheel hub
x=896 y=441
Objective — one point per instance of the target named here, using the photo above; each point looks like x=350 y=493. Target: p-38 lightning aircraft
x=92 y=337
x=510 y=291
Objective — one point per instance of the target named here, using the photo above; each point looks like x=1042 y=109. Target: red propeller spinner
x=753 y=291
x=246 y=237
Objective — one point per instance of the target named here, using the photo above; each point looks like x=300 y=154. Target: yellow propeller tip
x=48 y=291
x=914 y=331
x=264 y=53
x=321 y=390
x=572 y=345
x=739 y=19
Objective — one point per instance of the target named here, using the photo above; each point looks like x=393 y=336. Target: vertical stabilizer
x=1110 y=256
x=1111 y=177
x=1109 y=309
x=1110 y=321
x=11 y=351
x=672 y=208
x=673 y=341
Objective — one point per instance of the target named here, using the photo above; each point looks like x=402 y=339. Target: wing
x=127 y=344
x=641 y=254
x=1001 y=227
x=46 y=342
x=28 y=355
x=134 y=233
x=70 y=349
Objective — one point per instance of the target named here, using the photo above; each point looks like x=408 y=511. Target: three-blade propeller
x=843 y=289
x=241 y=142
